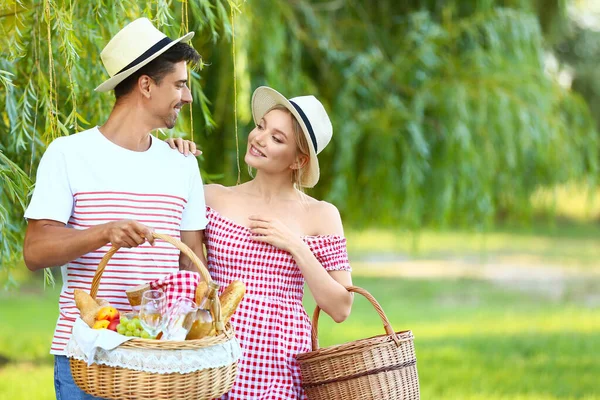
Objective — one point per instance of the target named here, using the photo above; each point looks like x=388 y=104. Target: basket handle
x=354 y=289
x=175 y=242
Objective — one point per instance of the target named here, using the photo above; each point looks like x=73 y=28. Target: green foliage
x=442 y=112
x=49 y=67
x=579 y=51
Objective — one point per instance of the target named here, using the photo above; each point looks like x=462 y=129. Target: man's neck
x=127 y=126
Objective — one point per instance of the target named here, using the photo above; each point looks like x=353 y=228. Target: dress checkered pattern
x=270 y=322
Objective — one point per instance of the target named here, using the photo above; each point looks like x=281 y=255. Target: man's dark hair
x=159 y=67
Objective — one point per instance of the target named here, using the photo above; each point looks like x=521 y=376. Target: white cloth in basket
x=148 y=360
x=89 y=340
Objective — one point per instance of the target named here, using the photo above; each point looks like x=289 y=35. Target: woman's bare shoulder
x=325 y=217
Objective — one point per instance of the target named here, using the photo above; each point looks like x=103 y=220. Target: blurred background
x=464 y=163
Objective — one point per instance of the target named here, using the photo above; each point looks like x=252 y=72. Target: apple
x=107 y=313
x=113 y=324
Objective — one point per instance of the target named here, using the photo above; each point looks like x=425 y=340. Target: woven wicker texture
x=122 y=383
x=380 y=367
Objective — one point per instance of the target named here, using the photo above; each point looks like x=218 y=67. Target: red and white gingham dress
x=270 y=322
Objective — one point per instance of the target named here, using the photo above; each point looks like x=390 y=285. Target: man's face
x=170 y=95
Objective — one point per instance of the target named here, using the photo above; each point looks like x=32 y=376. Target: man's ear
x=300 y=162
x=145 y=85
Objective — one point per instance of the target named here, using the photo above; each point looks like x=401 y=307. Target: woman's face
x=271 y=144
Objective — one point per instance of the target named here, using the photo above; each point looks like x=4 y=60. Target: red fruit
x=113 y=324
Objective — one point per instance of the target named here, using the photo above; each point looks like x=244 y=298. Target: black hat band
x=158 y=46
x=311 y=133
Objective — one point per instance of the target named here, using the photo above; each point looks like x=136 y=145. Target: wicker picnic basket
x=124 y=383
x=383 y=367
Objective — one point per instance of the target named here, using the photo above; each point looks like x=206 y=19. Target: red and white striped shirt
x=84 y=180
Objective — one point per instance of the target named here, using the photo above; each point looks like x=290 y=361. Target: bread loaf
x=103 y=303
x=88 y=307
x=134 y=295
x=201 y=290
x=231 y=298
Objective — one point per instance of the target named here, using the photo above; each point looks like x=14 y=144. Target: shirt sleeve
x=52 y=196
x=331 y=252
x=194 y=213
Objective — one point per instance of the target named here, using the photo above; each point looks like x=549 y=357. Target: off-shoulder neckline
x=245 y=228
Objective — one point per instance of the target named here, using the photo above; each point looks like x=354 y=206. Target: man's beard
x=171 y=123
x=172 y=119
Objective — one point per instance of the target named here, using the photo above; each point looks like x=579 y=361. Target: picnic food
x=107 y=313
x=101 y=324
x=229 y=301
x=113 y=324
x=132 y=327
x=93 y=311
x=88 y=307
x=134 y=295
x=231 y=298
x=205 y=314
x=201 y=291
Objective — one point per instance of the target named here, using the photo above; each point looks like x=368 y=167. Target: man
x=115 y=184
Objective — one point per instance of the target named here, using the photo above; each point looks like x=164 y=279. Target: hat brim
x=264 y=99
x=112 y=82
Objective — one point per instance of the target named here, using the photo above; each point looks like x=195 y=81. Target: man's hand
x=185 y=147
x=128 y=233
x=50 y=243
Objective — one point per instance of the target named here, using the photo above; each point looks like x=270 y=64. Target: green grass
x=562 y=244
x=25 y=335
x=25 y=381
x=474 y=340
x=28 y=324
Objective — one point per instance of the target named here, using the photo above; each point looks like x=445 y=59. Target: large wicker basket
x=378 y=368
x=123 y=383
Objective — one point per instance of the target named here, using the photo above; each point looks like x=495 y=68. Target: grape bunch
x=132 y=327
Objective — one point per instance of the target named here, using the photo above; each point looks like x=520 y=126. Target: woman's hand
x=274 y=232
x=185 y=147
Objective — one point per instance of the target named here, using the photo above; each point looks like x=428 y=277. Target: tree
x=442 y=112
x=48 y=69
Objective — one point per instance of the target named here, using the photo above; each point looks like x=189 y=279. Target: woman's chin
x=250 y=160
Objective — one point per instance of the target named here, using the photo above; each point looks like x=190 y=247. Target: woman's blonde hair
x=301 y=144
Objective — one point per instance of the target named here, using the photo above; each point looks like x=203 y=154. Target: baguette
x=103 y=303
x=88 y=307
x=201 y=290
x=230 y=299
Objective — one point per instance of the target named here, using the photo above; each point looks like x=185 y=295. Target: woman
x=273 y=237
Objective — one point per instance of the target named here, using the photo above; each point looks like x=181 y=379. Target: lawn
x=522 y=338
x=474 y=339
x=566 y=245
